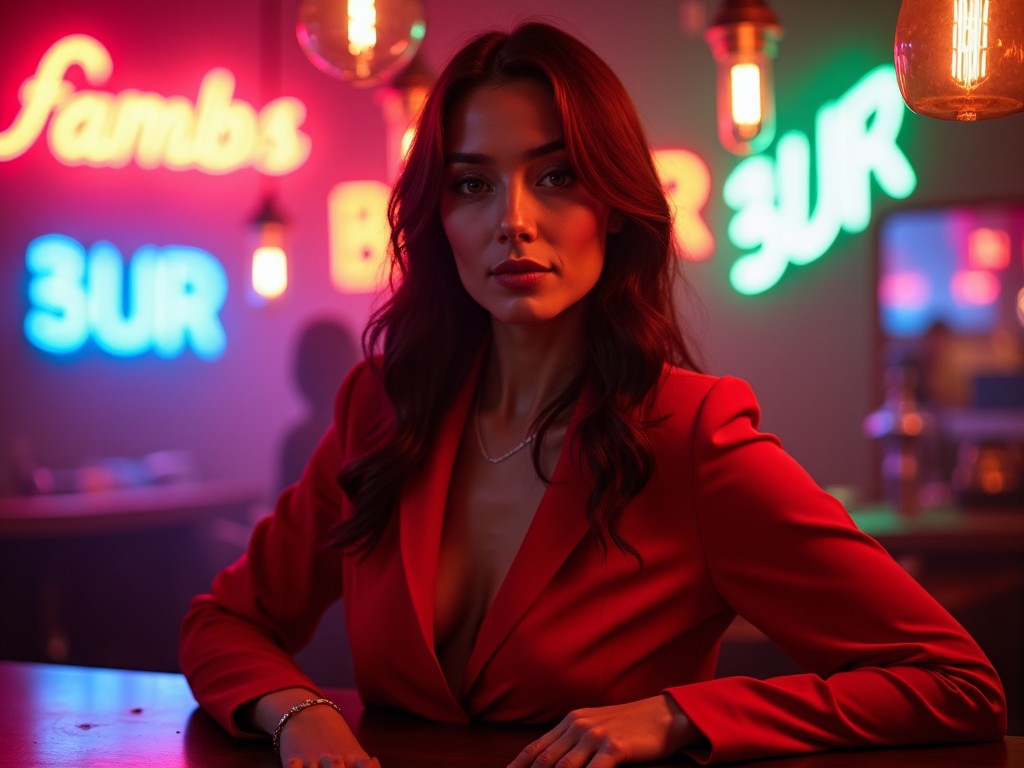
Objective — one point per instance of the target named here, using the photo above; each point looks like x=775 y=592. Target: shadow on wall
x=325 y=353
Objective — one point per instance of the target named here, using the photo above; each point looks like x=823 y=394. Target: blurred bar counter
x=102 y=578
x=122 y=509
x=944 y=529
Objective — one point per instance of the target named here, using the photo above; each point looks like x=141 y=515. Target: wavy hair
x=427 y=335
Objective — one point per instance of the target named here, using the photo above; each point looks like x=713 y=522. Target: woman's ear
x=616 y=221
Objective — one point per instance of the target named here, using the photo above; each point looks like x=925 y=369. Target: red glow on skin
x=527 y=236
x=977 y=287
x=988 y=248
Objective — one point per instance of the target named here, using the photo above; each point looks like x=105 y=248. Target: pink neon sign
x=216 y=133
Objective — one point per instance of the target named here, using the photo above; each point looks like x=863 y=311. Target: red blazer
x=728 y=524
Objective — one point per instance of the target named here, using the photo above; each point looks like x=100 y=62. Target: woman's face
x=528 y=239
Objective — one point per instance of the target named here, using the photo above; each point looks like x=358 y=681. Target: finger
x=604 y=760
x=578 y=756
x=567 y=751
x=529 y=754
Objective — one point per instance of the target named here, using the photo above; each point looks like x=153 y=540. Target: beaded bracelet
x=294 y=711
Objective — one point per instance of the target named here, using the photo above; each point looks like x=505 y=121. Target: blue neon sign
x=164 y=300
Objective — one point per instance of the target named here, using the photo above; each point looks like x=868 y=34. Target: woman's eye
x=470 y=185
x=559 y=177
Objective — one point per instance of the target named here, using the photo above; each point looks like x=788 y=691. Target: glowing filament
x=746 y=94
x=970 y=42
x=362 y=27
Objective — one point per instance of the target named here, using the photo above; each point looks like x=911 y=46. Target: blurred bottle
x=990 y=473
x=901 y=424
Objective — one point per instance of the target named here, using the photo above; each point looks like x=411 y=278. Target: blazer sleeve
x=884 y=663
x=237 y=641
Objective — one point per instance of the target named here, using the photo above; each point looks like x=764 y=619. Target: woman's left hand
x=637 y=732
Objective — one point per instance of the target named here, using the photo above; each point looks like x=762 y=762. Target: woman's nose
x=517 y=221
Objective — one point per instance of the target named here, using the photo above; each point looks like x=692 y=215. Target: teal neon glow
x=164 y=300
x=855 y=142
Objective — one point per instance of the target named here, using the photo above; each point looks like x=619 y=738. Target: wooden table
x=76 y=717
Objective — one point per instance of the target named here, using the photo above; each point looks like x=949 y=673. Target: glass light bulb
x=269 y=258
x=269 y=271
x=961 y=59
x=743 y=36
x=364 y=42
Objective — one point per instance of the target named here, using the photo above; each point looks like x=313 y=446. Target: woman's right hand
x=315 y=737
x=318 y=737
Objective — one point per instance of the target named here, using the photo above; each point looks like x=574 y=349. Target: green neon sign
x=855 y=142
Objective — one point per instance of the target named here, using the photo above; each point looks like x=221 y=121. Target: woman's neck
x=529 y=365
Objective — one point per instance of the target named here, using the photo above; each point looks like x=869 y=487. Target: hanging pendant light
x=401 y=100
x=269 y=258
x=961 y=59
x=364 y=42
x=743 y=36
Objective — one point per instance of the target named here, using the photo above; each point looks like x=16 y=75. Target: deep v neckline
x=550 y=536
x=487 y=514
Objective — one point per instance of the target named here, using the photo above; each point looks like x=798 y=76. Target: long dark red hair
x=429 y=332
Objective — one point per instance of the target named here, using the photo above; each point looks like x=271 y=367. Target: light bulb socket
x=743 y=26
x=268 y=224
x=745 y=12
x=728 y=40
x=268 y=213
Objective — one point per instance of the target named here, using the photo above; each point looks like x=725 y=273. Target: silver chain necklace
x=483 y=451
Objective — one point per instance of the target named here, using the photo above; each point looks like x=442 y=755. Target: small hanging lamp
x=743 y=36
x=269 y=258
x=401 y=100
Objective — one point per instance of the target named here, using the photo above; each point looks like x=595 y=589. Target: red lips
x=518 y=265
x=519 y=273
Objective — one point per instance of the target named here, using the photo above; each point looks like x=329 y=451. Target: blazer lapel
x=421 y=510
x=558 y=526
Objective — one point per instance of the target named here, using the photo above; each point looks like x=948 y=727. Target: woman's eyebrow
x=473 y=158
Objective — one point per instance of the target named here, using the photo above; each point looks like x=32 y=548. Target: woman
x=535 y=512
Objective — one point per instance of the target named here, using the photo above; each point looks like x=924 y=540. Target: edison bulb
x=961 y=59
x=364 y=42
